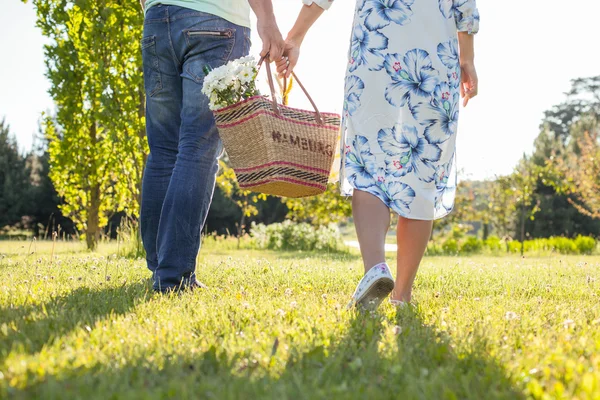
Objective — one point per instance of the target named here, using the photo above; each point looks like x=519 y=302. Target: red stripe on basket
x=289 y=180
x=244 y=170
x=276 y=116
x=222 y=110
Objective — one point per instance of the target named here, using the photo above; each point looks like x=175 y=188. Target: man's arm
x=268 y=30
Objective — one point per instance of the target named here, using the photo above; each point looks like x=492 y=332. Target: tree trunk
x=92 y=232
x=486 y=230
x=241 y=227
x=522 y=230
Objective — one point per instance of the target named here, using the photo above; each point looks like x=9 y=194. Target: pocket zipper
x=209 y=33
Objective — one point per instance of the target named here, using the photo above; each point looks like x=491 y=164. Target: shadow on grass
x=30 y=327
x=420 y=363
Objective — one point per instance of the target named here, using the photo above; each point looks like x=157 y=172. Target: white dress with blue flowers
x=402 y=102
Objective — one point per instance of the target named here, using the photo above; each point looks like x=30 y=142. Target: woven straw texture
x=287 y=155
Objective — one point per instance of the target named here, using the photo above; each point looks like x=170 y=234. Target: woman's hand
x=307 y=17
x=469 y=82
x=291 y=54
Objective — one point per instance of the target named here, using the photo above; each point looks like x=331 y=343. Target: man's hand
x=267 y=29
x=273 y=43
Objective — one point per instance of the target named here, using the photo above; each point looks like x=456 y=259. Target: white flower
x=568 y=323
x=247 y=74
x=509 y=316
x=230 y=81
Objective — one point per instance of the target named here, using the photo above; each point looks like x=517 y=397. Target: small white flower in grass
x=397 y=330
x=509 y=316
x=324 y=296
x=293 y=304
x=280 y=312
x=246 y=305
x=568 y=323
x=288 y=292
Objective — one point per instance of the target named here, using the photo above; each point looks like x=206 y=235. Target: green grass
x=273 y=325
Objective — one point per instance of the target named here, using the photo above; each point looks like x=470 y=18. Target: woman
x=404 y=81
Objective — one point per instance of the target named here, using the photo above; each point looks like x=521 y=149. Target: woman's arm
x=466 y=16
x=469 y=81
x=268 y=30
x=307 y=17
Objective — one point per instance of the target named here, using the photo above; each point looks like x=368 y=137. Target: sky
x=526 y=54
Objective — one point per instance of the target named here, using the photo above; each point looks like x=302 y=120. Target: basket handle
x=318 y=116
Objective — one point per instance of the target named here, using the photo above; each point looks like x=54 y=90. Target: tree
x=45 y=213
x=581 y=170
x=503 y=206
x=15 y=185
x=561 y=128
x=583 y=99
x=96 y=139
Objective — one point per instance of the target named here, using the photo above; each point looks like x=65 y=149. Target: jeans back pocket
x=150 y=60
x=210 y=46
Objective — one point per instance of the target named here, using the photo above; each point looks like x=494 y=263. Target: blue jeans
x=180 y=173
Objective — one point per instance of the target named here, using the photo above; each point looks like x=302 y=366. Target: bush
x=288 y=235
x=563 y=245
x=434 y=250
x=450 y=247
x=494 y=243
x=472 y=245
x=585 y=244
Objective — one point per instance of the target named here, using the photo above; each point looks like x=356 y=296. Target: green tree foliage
x=324 y=209
x=15 y=184
x=583 y=99
x=246 y=201
x=579 y=170
x=96 y=139
x=561 y=130
x=45 y=213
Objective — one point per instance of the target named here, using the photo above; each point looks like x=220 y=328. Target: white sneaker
x=373 y=288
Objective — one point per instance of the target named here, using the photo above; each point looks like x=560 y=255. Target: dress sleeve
x=324 y=4
x=466 y=16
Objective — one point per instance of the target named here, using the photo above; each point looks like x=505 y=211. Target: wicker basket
x=278 y=150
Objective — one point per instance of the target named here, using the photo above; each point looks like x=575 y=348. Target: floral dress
x=401 y=102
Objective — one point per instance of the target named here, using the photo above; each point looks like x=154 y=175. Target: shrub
x=450 y=246
x=434 y=250
x=471 y=245
x=289 y=235
x=514 y=246
x=494 y=243
x=585 y=244
x=563 y=245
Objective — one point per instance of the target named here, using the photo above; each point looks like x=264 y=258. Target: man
x=182 y=38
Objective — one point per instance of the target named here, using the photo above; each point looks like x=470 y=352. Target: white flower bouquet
x=231 y=83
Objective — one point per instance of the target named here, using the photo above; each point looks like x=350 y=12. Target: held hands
x=469 y=82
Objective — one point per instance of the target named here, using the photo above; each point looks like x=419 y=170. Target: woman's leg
x=372 y=221
x=412 y=236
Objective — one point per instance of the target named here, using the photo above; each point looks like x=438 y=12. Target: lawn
x=274 y=326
